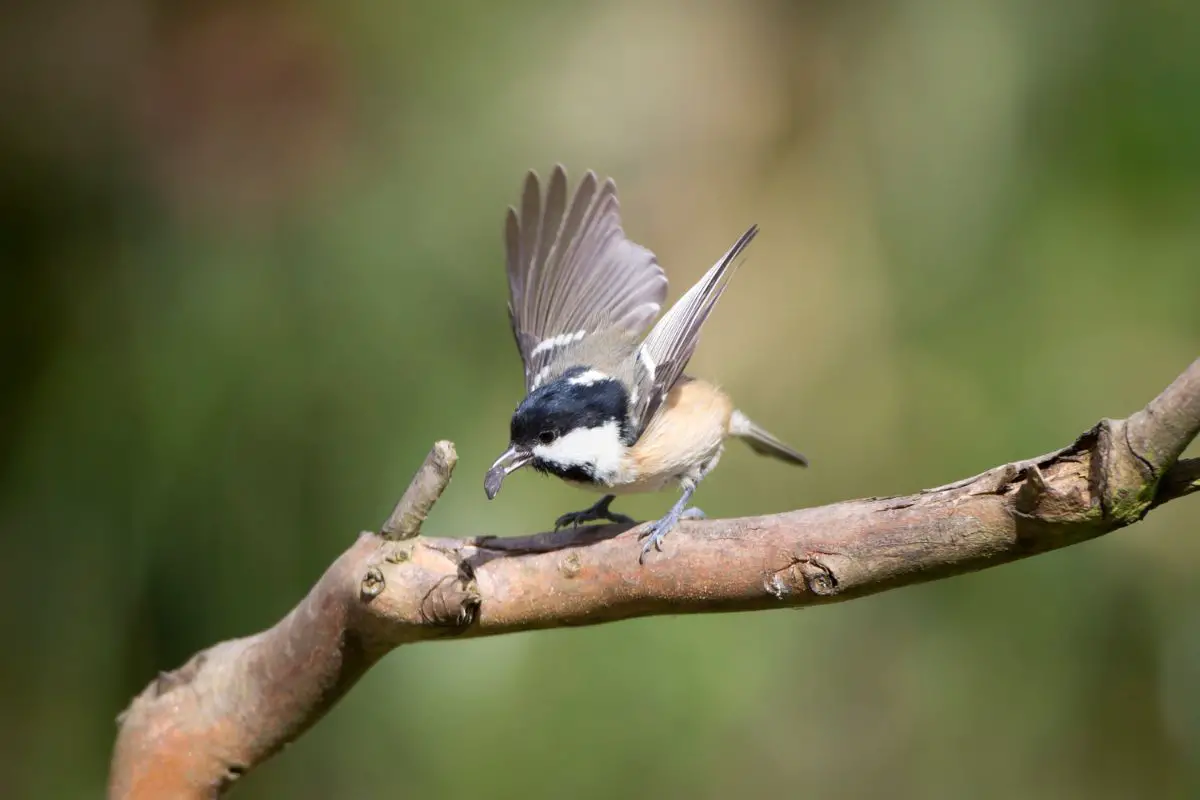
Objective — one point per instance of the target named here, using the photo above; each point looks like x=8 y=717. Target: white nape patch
x=588 y=378
x=599 y=448
x=541 y=376
x=562 y=340
x=645 y=358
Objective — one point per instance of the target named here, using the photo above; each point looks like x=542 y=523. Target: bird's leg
x=597 y=512
x=655 y=533
x=657 y=530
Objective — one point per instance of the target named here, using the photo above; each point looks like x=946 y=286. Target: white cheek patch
x=599 y=448
x=588 y=378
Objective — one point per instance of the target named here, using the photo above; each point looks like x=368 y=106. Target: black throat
x=576 y=473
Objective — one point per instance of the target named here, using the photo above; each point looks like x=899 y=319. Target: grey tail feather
x=762 y=442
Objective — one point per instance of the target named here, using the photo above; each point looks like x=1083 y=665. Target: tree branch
x=193 y=731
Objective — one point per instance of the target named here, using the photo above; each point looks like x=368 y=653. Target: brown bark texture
x=193 y=731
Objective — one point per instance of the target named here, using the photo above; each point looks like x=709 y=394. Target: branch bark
x=194 y=730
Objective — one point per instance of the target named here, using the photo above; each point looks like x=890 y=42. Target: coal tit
x=606 y=409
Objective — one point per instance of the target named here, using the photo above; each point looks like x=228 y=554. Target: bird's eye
x=546 y=437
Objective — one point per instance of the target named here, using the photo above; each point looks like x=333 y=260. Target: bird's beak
x=511 y=459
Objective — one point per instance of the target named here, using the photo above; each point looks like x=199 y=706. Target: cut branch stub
x=423 y=491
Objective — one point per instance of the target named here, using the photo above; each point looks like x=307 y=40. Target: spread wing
x=667 y=349
x=572 y=274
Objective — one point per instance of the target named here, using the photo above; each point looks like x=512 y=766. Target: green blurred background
x=253 y=269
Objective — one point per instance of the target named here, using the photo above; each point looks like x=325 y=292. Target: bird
x=608 y=407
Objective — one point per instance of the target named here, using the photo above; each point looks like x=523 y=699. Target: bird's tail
x=761 y=441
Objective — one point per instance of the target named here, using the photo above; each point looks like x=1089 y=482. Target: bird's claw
x=657 y=531
x=572 y=518
x=653 y=538
x=593 y=514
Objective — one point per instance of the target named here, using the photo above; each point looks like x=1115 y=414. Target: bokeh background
x=252 y=269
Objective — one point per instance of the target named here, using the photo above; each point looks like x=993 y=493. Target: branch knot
x=819 y=579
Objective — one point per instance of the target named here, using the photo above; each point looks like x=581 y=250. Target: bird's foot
x=658 y=530
x=597 y=513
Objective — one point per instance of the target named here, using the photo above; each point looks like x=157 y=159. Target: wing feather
x=572 y=273
x=665 y=353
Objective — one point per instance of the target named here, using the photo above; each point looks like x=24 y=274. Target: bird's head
x=575 y=427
